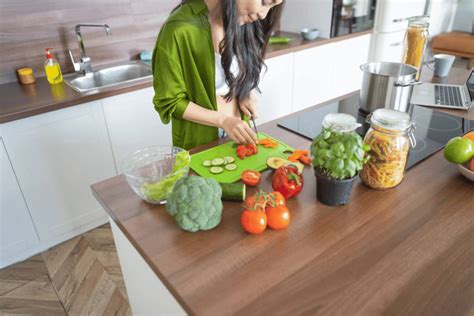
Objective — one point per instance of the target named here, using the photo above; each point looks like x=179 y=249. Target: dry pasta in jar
x=389 y=139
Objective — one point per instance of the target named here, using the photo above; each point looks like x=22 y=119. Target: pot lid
x=391 y=119
x=340 y=122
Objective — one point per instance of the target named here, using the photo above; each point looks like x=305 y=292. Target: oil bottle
x=52 y=68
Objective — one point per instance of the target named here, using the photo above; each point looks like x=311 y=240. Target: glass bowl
x=152 y=172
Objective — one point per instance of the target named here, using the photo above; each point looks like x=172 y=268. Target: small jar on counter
x=26 y=76
x=389 y=138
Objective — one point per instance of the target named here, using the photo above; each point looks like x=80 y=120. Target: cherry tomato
x=275 y=198
x=251 y=177
x=253 y=222
x=255 y=201
x=278 y=217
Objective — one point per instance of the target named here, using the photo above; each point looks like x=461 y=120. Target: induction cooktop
x=433 y=129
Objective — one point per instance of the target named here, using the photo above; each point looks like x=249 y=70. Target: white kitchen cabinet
x=276 y=85
x=134 y=124
x=56 y=156
x=18 y=238
x=313 y=75
x=350 y=54
x=329 y=71
x=392 y=15
x=387 y=47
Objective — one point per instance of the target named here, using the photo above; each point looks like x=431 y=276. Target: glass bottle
x=389 y=137
x=416 y=38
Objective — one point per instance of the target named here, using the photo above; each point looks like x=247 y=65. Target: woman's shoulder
x=184 y=22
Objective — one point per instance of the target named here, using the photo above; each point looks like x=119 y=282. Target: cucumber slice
x=229 y=159
x=231 y=167
x=217 y=162
x=216 y=170
x=207 y=163
x=233 y=191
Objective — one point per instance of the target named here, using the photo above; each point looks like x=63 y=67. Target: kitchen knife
x=254 y=126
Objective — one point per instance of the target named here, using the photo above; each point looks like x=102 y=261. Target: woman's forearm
x=201 y=115
x=237 y=129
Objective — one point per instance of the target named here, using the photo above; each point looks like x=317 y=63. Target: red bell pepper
x=241 y=151
x=288 y=181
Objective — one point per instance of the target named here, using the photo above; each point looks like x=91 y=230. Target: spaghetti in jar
x=416 y=38
x=389 y=138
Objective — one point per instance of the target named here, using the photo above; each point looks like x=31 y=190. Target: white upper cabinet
x=56 y=157
x=18 y=239
x=134 y=124
x=276 y=86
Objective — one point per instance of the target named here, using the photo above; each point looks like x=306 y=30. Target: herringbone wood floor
x=81 y=276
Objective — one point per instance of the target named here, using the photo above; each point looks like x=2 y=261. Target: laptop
x=445 y=95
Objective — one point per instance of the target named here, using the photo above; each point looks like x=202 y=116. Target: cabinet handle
x=399 y=20
x=395 y=44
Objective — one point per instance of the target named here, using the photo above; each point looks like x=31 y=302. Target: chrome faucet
x=85 y=62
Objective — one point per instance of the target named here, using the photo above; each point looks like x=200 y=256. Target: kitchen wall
x=300 y=14
x=464 y=18
x=27 y=27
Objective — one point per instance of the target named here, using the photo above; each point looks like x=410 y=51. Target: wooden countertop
x=404 y=251
x=20 y=101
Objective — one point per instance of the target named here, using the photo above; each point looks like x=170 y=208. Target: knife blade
x=254 y=126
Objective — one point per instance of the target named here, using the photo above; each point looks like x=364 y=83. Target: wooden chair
x=460 y=44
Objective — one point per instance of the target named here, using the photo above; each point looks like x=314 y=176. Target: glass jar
x=389 y=137
x=416 y=38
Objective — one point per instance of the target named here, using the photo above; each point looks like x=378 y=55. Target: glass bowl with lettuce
x=153 y=171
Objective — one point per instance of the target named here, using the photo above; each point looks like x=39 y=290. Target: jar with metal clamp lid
x=416 y=38
x=389 y=137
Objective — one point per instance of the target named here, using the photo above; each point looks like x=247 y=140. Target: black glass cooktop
x=433 y=128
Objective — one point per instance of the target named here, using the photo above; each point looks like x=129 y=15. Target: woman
x=207 y=60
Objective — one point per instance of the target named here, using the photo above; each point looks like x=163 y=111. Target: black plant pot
x=333 y=192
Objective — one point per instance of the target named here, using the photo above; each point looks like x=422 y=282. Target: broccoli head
x=195 y=203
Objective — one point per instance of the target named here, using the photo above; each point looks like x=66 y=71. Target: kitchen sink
x=109 y=77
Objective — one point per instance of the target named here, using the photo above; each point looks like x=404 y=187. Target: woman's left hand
x=249 y=106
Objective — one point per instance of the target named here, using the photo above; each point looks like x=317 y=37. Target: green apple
x=459 y=150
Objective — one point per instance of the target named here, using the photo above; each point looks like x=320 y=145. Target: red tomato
x=251 y=177
x=241 y=151
x=278 y=217
x=253 y=222
x=275 y=199
x=258 y=200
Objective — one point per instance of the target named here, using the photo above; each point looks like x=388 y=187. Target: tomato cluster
x=264 y=209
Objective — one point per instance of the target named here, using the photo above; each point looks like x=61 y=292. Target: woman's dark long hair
x=248 y=44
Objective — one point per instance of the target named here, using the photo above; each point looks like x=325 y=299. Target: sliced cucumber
x=207 y=163
x=216 y=170
x=233 y=191
x=217 y=162
x=229 y=159
x=231 y=167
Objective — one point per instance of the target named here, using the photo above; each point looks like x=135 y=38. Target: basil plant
x=340 y=155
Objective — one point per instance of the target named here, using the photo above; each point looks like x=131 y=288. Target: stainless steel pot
x=387 y=85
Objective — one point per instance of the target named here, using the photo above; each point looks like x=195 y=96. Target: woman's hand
x=238 y=130
x=249 y=106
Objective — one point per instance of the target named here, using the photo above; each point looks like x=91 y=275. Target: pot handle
x=406 y=84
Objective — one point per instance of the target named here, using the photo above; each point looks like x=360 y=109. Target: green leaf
x=326 y=134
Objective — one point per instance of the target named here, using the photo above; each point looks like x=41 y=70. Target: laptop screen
x=470 y=85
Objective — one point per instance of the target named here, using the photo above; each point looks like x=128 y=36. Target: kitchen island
x=404 y=251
